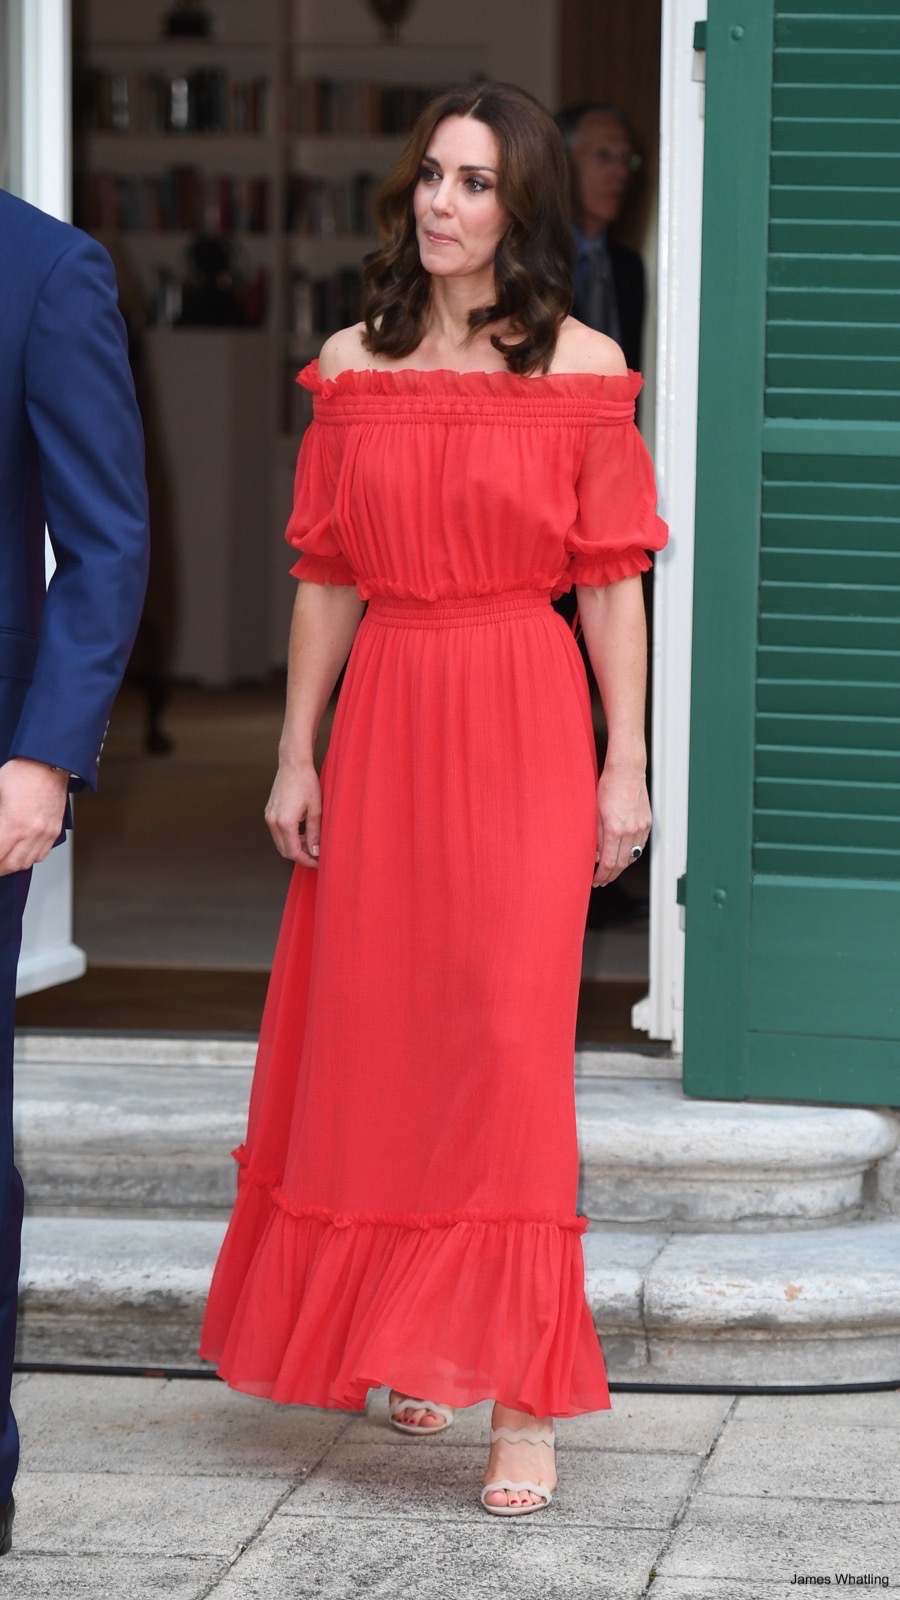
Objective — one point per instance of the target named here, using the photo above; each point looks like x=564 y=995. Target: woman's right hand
x=296 y=799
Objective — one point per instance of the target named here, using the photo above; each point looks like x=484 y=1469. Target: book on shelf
x=205 y=100
x=182 y=199
x=354 y=109
x=316 y=207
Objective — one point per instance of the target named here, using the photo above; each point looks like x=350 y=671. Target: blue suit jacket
x=71 y=454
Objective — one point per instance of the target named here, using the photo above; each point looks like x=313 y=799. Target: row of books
x=181 y=199
x=207 y=100
x=317 y=207
x=321 y=305
x=354 y=109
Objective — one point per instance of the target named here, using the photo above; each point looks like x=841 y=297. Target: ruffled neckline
x=445 y=380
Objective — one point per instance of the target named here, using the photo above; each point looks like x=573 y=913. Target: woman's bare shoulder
x=583 y=349
x=343 y=350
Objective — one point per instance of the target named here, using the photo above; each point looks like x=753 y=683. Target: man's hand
x=32 y=807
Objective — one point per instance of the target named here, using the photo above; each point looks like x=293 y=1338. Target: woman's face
x=459 y=219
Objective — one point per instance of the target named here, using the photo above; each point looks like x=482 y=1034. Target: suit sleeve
x=81 y=406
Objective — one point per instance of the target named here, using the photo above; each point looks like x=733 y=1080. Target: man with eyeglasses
x=609 y=277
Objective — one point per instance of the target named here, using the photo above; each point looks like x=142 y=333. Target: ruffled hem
x=323 y=569
x=369 y=381
x=602 y=570
x=312 y=1308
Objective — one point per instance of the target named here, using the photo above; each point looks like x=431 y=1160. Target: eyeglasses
x=629 y=159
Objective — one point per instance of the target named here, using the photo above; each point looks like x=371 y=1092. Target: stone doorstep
x=813 y=1307
x=155 y=1135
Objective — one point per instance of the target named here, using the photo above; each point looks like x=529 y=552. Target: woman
x=406 y=1211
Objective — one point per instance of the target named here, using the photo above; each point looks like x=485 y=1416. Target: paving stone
x=425 y=1559
x=597 y=1488
x=722 y=1589
x=762 y=1458
x=761 y=1541
x=879 y=1409
x=158 y=1427
x=109 y=1513
x=684 y=1424
x=35 y=1577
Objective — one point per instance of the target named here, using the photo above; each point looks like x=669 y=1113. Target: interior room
x=227 y=154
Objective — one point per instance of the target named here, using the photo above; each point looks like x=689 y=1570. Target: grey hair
x=570 y=118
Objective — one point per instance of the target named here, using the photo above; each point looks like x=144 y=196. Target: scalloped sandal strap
x=407 y=1403
x=524 y=1435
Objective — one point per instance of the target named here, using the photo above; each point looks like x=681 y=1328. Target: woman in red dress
x=406 y=1212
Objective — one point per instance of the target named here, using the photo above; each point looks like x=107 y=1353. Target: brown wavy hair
x=533 y=263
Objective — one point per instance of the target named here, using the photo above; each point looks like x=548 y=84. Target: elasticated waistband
x=463 y=611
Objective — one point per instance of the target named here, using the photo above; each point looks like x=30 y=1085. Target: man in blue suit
x=71 y=455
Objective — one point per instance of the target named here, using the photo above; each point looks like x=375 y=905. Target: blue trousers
x=13 y=894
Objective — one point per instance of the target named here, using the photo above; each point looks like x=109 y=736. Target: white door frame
x=41 y=35
x=661 y=1012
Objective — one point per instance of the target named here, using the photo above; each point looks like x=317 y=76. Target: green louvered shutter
x=793 y=883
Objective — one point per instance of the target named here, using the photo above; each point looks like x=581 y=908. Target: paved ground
x=137 y=1487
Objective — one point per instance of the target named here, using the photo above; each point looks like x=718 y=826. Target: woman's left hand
x=623 y=821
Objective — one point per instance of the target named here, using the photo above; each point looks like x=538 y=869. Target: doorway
x=181 y=823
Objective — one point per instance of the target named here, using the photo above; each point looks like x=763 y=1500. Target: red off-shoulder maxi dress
x=406 y=1209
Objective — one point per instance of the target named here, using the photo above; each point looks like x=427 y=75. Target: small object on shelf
x=187 y=21
x=391 y=13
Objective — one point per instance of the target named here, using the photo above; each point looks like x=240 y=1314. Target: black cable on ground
x=99 y=1370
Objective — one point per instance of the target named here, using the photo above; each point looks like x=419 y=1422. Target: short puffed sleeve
x=311 y=528
x=617 y=523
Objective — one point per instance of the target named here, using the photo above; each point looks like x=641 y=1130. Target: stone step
x=144 y=1125
x=811 y=1307
x=652 y=1156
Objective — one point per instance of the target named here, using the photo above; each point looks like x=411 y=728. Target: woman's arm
x=326 y=617
x=615 y=632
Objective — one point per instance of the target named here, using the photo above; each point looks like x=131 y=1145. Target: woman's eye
x=426 y=174
x=479 y=185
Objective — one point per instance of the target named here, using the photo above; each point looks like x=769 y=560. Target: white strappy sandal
x=423 y=1430
x=519 y=1436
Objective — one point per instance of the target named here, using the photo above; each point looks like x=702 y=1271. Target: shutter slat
x=814 y=531
x=825 y=135
x=835 y=339
x=833 y=305
x=839 y=170
x=844 y=633
x=834 y=67
x=828 y=796
x=860 y=102
x=843 y=666
x=828 y=764
x=844 y=238
x=793 y=201
x=845 y=374
x=843 y=733
x=830 y=600
x=838 y=831
x=802 y=697
x=793 y=860
x=810 y=567
x=817 y=269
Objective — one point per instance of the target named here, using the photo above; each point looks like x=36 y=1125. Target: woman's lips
x=438 y=238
